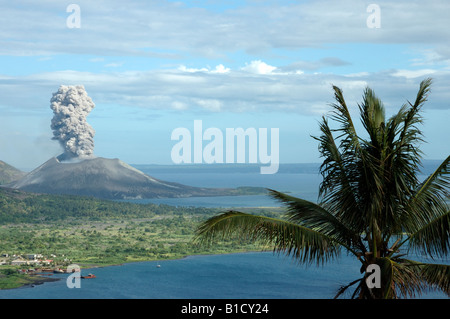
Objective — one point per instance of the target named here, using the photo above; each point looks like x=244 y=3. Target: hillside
x=22 y=207
x=9 y=173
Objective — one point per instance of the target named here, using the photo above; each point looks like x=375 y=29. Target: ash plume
x=71 y=105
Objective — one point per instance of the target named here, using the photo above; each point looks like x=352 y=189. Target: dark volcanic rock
x=104 y=178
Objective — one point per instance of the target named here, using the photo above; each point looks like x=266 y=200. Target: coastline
x=39 y=280
x=30 y=281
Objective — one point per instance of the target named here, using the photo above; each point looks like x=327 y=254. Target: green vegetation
x=372 y=204
x=92 y=232
x=10 y=278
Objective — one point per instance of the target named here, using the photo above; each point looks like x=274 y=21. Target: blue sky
x=153 y=66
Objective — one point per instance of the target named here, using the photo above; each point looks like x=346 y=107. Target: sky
x=153 y=66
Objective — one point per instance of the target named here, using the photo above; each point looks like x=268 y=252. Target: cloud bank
x=142 y=28
x=248 y=88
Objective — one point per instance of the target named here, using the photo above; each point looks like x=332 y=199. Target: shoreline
x=42 y=280
x=33 y=280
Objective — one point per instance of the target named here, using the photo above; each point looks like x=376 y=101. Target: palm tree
x=371 y=204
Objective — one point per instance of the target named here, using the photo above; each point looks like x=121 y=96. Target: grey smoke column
x=71 y=105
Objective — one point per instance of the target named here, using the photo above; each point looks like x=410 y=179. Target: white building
x=19 y=261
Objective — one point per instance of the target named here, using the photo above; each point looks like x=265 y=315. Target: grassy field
x=10 y=278
x=111 y=241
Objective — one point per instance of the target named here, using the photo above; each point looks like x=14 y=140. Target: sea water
x=247 y=275
x=304 y=184
x=254 y=275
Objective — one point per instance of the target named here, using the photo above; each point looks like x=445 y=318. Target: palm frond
x=341 y=114
x=409 y=136
x=432 y=276
x=399 y=278
x=413 y=117
x=428 y=200
x=401 y=162
x=343 y=289
x=373 y=118
x=438 y=184
x=338 y=188
x=433 y=238
x=437 y=276
x=304 y=244
x=316 y=217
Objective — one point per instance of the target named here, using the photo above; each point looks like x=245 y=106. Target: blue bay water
x=256 y=275
x=304 y=185
x=247 y=275
x=259 y=275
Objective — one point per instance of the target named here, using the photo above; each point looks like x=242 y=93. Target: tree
x=371 y=204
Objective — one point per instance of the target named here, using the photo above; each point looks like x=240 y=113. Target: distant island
x=111 y=179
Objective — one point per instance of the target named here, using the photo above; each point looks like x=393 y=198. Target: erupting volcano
x=78 y=171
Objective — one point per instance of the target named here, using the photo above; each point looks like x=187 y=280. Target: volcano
x=105 y=178
x=78 y=172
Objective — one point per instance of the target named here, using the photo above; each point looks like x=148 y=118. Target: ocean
x=236 y=276
x=254 y=275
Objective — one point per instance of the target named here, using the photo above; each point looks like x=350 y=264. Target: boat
x=58 y=271
x=46 y=270
x=88 y=276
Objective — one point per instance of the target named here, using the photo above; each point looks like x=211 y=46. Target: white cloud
x=259 y=67
x=412 y=74
x=183 y=68
x=218 y=69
